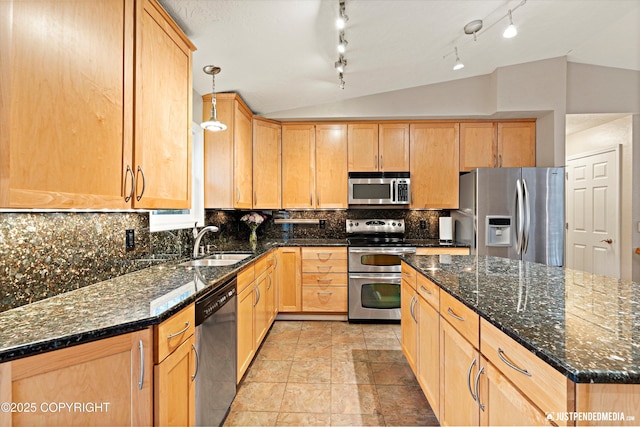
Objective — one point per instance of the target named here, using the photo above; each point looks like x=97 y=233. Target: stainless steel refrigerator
x=513 y=213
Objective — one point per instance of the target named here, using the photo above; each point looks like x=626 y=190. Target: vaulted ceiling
x=279 y=54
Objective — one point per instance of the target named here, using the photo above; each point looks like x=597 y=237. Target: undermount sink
x=216 y=260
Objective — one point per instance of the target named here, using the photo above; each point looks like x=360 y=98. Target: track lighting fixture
x=458 y=65
x=213 y=124
x=340 y=64
x=342 y=19
x=511 y=30
x=342 y=43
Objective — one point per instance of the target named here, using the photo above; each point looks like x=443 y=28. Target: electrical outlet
x=423 y=224
x=130 y=240
x=323 y=224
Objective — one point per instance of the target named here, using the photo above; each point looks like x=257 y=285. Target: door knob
x=609 y=241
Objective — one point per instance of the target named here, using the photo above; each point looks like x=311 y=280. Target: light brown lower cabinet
x=502 y=404
x=289 y=278
x=105 y=382
x=175 y=387
x=408 y=322
x=428 y=363
x=175 y=370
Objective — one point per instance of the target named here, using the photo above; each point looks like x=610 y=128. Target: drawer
x=173 y=332
x=246 y=276
x=260 y=265
x=461 y=317
x=409 y=275
x=324 y=280
x=544 y=386
x=429 y=291
x=328 y=266
x=324 y=254
x=315 y=298
x=442 y=250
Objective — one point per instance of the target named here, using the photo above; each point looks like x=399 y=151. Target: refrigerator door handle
x=527 y=221
x=519 y=216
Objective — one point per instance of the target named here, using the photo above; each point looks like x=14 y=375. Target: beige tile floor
x=316 y=373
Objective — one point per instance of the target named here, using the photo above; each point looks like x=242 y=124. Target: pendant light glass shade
x=213 y=124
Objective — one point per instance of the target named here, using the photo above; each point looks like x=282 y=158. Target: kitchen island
x=566 y=340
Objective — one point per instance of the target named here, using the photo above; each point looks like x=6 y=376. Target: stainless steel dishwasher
x=216 y=347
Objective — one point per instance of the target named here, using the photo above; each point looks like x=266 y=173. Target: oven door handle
x=390 y=251
x=376 y=277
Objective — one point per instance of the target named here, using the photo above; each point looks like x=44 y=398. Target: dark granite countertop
x=584 y=325
x=124 y=304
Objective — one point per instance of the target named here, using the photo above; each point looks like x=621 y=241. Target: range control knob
x=393 y=224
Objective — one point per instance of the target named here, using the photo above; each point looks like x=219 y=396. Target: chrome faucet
x=199 y=235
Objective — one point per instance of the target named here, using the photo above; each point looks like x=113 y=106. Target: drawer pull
x=473 y=363
x=425 y=290
x=408 y=274
x=324 y=293
x=324 y=256
x=186 y=326
x=325 y=267
x=511 y=365
x=455 y=316
x=321 y=280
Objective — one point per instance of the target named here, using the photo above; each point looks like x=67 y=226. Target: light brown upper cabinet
x=378 y=147
x=331 y=166
x=516 y=144
x=67 y=128
x=228 y=154
x=162 y=144
x=434 y=165
x=298 y=162
x=314 y=166
x=497 y=144
x=267 y=175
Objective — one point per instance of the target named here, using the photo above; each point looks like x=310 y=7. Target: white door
x=593 y=212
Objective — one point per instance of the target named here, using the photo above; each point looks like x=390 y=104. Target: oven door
x=374 y=296
x=378 y=259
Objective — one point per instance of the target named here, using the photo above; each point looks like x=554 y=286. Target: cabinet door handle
x=500 y=157
x=310 y=198
x=180 y=332
x=255 y=198
x=144 y=183
x=132 y=191
x=141 y=347
x=258 y=296
x=270 y=281
x=425 y=290
x=511 y=365
x=375 y=161
x=495 y=160
x=473 y=363
x=412 y=308
x=455 y=316
x=476 y=387
x=381 y=162
x=195 y=374
x=238 y=196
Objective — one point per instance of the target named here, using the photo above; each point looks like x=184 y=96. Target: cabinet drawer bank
x=531 y=331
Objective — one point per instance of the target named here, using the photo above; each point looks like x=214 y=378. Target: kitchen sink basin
x=216 y=260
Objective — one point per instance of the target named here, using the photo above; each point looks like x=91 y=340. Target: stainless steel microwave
x=379 y=188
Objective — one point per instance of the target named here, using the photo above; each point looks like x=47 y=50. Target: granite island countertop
x=584 y=325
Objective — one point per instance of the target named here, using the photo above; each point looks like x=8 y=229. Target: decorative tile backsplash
x=45 y=254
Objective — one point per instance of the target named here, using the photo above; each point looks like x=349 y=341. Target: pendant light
x=213 y=124
x=458 y=65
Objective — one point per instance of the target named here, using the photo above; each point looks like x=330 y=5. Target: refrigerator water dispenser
x=498 y=230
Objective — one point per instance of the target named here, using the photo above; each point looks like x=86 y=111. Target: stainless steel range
x=375 y=246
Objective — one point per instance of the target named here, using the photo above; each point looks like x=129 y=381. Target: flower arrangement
x=253 y=221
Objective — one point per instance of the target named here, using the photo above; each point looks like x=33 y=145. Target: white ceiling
x=279 y=54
